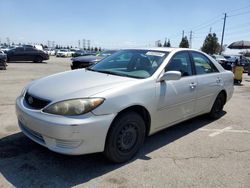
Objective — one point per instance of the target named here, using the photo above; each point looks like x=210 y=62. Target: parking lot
x=196 y=153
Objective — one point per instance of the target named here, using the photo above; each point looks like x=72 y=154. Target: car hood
x=88 y=58
x=75 y=84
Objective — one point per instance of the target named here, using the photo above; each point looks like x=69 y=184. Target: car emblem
x=30 y=99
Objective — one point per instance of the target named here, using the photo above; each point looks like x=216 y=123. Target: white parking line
x=225 y=130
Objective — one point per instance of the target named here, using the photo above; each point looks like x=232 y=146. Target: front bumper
x=68 y=135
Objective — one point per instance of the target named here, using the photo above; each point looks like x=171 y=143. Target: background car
x=5 y=49
x=50 y=51
x=82 y=53
x=114 y=105
x=245 y=61
x=86 y=61
x=26 y=53
x=72 y=52
x=3 y=59
x=223 y=61
x=63 y=53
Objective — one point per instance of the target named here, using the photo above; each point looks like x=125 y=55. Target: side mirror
x=170 y=75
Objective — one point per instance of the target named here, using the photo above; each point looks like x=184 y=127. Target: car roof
x=165 y=49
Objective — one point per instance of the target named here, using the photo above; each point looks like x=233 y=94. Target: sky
x=122 y=24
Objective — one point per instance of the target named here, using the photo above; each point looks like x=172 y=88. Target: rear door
x=30 y=54
x=209 y=81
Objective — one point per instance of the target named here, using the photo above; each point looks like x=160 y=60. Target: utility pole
x=8 y=41
x=190 y=39
x=157 y=43
x=223 y=30
x=48 y=43
x=83 y=44
x=88 y=44
x=79 y=44
x=210 y=30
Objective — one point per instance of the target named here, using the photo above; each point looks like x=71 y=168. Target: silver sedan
x=112 y=106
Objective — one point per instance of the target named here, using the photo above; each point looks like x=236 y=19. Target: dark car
x=86 y=61
x=26 y=53
x=244 y=62
x=3 y=59
x=82 y=53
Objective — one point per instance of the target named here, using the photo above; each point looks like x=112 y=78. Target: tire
x=125 y=137
x=218 y=105
x=38 y=59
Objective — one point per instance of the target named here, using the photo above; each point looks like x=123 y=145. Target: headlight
x=74 y=106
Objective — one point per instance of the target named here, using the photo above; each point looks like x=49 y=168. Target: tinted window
x=202 y=64
x=19 y=49
x=180 y=62
x=30 y=49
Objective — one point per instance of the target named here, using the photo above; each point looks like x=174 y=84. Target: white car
x=63 y=53
x=72 y=52
x=112 y=106
x=51 y=52
x=221 y=59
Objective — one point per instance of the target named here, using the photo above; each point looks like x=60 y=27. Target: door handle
x=193 y=85
x=218 y=80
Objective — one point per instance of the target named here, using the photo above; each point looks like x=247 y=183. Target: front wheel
x=38 y=59
x=125 y=137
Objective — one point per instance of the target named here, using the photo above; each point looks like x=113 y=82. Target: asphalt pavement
x=195 y=153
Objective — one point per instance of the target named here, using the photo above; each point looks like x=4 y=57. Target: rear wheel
x=218 y=105
x=38 y=59
x=125 y=137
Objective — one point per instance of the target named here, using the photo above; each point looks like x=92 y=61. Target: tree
x=96 y=49
x=184 y=43
x=211 y=45
x=165 y=44
x=100 y=49
x=168 y=44
x=159 y=44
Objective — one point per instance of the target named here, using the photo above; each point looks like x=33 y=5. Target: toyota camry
x=112 y=106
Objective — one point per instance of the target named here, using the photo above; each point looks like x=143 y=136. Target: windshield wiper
x=114 y=73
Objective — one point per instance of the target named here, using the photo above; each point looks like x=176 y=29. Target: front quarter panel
x=140 y=93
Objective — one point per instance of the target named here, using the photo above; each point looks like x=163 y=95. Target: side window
x=202 y=64
x=180 y=62
x=19 y=49
x=30 y=49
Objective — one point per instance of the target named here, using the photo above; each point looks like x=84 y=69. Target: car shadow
x=19 y=62
x=24 y=163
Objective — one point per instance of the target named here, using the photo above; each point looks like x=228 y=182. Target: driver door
x=176 y=98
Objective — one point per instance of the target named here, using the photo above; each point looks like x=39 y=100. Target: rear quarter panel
x=228 y=80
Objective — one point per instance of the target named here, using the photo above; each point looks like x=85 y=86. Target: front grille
x=34 y=135
x=68 y=143
x=35 y=102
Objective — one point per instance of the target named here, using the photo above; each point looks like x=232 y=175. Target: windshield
x=63 y=50
x=131 y=63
